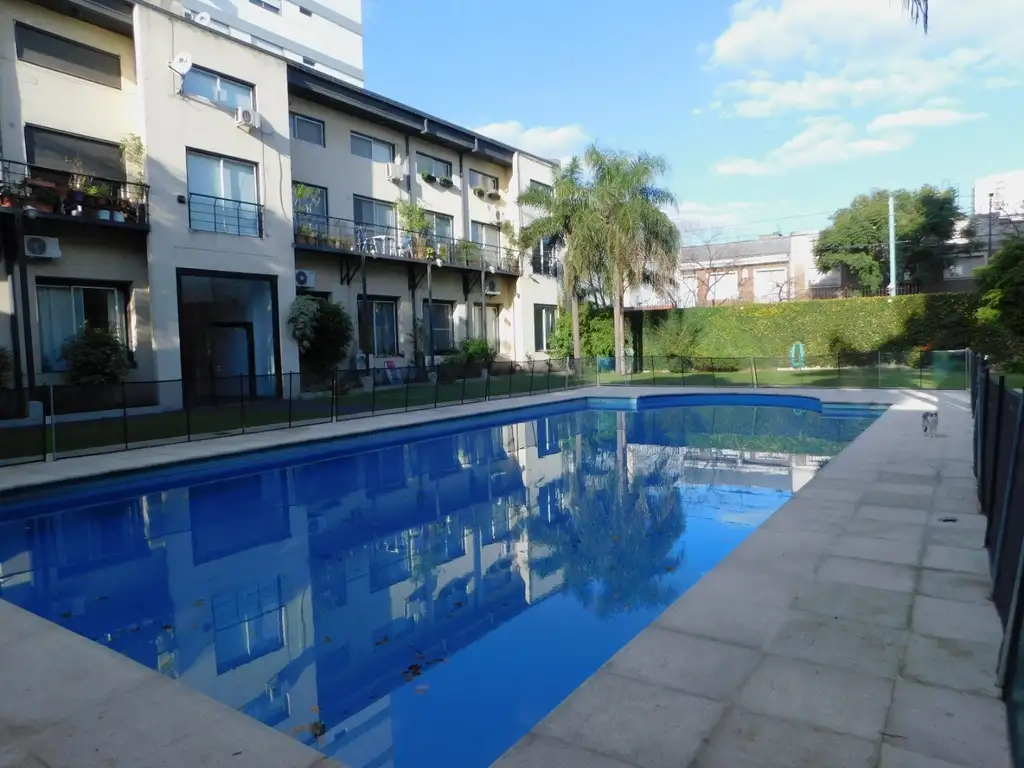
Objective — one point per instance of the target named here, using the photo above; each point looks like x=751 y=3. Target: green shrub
x=323 y=330
x=6 y=366
x=475 y=351
x=828 y=327
x=597 y=333
x=95 y=356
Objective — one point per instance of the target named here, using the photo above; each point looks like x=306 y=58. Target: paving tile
x=956 y=620
x=956 y=505
x=869 y=648
x=894 y=757
x=748 y=740
x=667 y=658
x=943 y=558
x=642 y=724
x=963 y=665
x=892 y=514
x=953 y=585
x=852 y=601
x=541 y=752
x=912 y=475
x=867 y=573
x=890 y=498
x=955 y=536
x=887 y=551
x=966 y=520
x=837 y=699
x=948 y=725
x=905 y=487
x=789 y=552
x=885 y=529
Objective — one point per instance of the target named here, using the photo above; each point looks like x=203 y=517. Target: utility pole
x=892 y=247
x=988 y=256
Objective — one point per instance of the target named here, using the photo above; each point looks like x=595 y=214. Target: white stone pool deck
x=852 y=629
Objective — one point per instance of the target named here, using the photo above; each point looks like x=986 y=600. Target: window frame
x=543 y=260
x=374 y=301
x=293 y=117
x=32 y=131
x=220 y=78
x=489 y=187
x=539 y=311
x=374 y=141
x=19 y=47
x=450 y=330
x=433 y=171
x=257 y=204
x=392 y=226
x=121 y=289
x=317 y=220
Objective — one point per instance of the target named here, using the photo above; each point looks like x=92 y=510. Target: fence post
x=839 y=370
x=753 y=372
x=1011 y=480
x=405 y=380
x=53 y=423
x=290 y=374
x=462 y=399
x=654 y=373
x=373 y=391
x=714 y=378
x=334 y=395
x=878 y=368
x=124 y=407
x=994 y=458
x=979 y=428
x=597 y=369
x=531 y=377
x=188 y=415
x=511 y=377
x=241 y=399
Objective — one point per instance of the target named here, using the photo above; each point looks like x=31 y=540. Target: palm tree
x=638 y=242
x=566 y=209
x=918 y=10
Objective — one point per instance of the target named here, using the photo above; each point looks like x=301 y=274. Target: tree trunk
x=577 y=351
x=620 y=336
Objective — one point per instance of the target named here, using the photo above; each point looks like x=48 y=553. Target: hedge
x=939 y=320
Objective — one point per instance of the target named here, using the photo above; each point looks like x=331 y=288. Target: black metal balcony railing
x=545 y=265
x=207 y=213
x=57 y=192
x=345 y=235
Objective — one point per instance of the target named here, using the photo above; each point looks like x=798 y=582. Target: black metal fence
x=998 y=425
x=60 y=421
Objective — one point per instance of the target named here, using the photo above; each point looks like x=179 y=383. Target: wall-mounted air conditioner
x=396 y=172
x=42 y=247
x=247 y=118
x=491 y=288
x=955 y=270
x=305 y=278
x=202 y=18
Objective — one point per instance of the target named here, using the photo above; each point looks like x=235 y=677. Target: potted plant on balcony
x=12 y=193
x=494 y=195
x=428 y=177
x=480 y=192
x=97 y=195
x=77 y=182
x=133 y=152
x=305 y=234
x=446 y=182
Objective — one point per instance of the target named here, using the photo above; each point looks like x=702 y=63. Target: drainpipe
x=26 y=306
x=367 y=332
x=15 y=332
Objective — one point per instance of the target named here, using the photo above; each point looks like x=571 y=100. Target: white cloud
x=695 y=216
x=559 y=142
x=923 y=118
x=825 y=141
x=997 y=83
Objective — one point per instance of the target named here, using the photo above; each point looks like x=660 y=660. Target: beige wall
x=33 y=95
x=171 y=124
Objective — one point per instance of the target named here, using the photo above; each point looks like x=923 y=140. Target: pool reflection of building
x=347 y=577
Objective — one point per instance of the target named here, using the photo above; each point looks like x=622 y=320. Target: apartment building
x=182 y=186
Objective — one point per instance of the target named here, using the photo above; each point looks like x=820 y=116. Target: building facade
x=182 y=186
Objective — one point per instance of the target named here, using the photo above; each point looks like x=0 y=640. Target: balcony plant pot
x=494 y=195
x=480 y=192
x=445 y=182
x=428 y=177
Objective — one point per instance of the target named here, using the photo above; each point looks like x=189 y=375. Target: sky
x=772 y=114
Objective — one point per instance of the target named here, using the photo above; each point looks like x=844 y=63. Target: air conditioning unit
x=305 y=278
x=202 y=18
x=396 y=172
x=247 y=118
x=955 y=270
x=42 y=247
x=492 y=288
x=497 y=217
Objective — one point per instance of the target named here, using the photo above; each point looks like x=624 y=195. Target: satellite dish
x=202 y=18
x=181 y=63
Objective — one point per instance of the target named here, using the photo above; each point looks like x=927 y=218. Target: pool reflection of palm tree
x=613 y=540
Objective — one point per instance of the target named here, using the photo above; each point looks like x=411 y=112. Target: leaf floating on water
x=314 y=709
x=421 y=689
x=66 y=615
x=412 y=672
x=136 y=628
x=199 y=603
x=438 y=660
x=670 y=569
x=317 y=728
x=167 y=627
x=382 y=641
x=299 y=728
x=327 y=639
x=236 y=754
x=616 y=538
x=419 y=655
x=102 y=597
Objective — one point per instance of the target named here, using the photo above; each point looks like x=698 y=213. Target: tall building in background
x=326 y=35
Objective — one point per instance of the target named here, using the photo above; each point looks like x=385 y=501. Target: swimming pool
x=422 y=597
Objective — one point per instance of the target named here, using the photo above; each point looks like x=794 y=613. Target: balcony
x=207 y=213
x=330 y=234
x=62 y=194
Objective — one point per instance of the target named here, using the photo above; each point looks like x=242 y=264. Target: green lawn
x=108 y=434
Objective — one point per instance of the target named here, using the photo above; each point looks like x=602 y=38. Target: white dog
x=930 y=423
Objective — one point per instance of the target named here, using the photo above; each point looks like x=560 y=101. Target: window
x=483 y=181
x=307 y=129
x=62 y=151
x=383 y=324
x=372 y=149
x=268 y=5
x=543 y=260
x=247 y=624
x=62 y=55
x=217 y=89
x=427 y=164
x=543 y=325
x=374 y=215
x=222 y=195
x=723 y=286
x=488 y=237
x=266 y=45
x=64 y=310
x=442 y=321
x=488 y=330
x=539 y=185
x=309 y=202
x=440 y=226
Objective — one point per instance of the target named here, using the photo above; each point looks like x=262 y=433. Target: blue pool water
x=419 y=598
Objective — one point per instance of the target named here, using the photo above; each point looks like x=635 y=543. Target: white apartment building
x=326 y=35
x=152 y=166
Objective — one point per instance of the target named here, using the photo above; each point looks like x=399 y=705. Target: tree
x=857 y=241
x=918 y=10
x=638 y=243
x=565 y=209
x=1002 y=298
x=323 y=331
